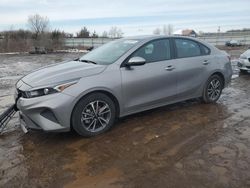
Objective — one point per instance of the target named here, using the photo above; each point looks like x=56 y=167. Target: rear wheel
x=93 y=115
x=213 y=89
x=243 y=71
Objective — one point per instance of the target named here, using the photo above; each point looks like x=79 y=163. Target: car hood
x=246 y=53
x=62 y=72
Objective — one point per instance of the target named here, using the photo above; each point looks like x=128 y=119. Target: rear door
x=192 y=64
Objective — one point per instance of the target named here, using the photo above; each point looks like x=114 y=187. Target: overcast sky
x=134 y=17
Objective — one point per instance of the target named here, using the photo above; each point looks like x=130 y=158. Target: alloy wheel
x=96 y=116
x=214 y=89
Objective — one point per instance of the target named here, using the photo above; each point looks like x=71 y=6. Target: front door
x=153 y=83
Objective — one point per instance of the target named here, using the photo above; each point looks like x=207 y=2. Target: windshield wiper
x=87 y=61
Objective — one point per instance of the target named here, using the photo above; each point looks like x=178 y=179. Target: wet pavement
x=189 y=144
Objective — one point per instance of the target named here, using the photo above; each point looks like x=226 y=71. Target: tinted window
x=154 y=51
x=206 y=50
x=187 y=48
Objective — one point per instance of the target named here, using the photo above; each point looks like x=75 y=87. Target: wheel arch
x=105 y=92
x=221 y=75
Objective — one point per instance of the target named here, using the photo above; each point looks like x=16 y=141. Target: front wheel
x=93 y=115
x=213 y=89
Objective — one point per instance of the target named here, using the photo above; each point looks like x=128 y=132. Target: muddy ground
x=189 y=144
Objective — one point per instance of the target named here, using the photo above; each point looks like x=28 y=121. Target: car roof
x=146 y=38
x=247 y=53
x=152 y=37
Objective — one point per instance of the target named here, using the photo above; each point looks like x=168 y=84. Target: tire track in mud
x=147 y=153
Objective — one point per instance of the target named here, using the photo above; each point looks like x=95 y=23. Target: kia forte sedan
x=122 y=77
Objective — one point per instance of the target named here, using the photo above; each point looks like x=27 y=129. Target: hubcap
x=96 y=116
x=214 y=89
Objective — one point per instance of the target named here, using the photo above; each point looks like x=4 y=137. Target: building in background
x=186 y=32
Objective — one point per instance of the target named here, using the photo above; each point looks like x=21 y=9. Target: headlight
x=243 y=57
x=48 y=90
x=40 y=92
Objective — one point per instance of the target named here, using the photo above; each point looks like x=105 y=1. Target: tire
x=243 y=71
x=93 y=115
x=212 y=94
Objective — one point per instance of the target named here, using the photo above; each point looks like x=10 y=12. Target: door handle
x=205 y=62
x=169 y=68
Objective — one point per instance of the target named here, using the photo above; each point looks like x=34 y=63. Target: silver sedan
x=122 y=77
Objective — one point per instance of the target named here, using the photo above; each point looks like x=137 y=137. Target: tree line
x=114 y=32
x=39 y=34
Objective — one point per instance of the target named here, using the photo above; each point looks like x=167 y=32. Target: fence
x=86 y=42
x=222 y=39
x=215 y=39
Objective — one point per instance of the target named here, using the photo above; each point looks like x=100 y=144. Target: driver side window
x=158 y=50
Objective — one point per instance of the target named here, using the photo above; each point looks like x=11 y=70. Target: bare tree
x=94 y=35
x=15 y=40
x=38 y=24
x=105 y=34
x=201 y=33
x=57 y=39
x=83 y=33
x=115 y=32
x=157 y=31
x=168 y=29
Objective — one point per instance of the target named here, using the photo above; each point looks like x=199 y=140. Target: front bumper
x=244 y=64
x=47 y=113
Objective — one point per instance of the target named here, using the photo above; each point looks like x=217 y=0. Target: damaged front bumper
x=48 y=113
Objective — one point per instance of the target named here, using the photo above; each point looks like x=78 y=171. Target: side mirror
x=136 y=61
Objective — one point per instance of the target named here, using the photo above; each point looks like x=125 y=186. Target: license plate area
x=22 y=123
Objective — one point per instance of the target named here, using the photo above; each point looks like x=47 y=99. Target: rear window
x=205 y=50
x=187 y=48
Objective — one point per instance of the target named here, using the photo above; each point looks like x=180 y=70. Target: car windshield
x=110 y=52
